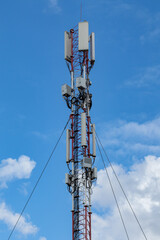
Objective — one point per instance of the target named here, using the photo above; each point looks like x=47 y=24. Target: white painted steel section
x=83 y=36
x=68 y=146
x=85 y=192
x=67 y=47
x=84 y=72
x=72 y=87
x=92 y=47
x=72 y=80
x=90 y=200
x=83 y=129
x=93 y=140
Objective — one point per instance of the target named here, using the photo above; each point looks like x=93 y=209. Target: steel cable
x=125 y=195
x=115 y=198
x=39 y=178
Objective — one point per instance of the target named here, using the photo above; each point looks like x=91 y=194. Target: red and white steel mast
x=80 y=138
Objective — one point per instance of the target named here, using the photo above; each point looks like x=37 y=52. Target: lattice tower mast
x=80 y=138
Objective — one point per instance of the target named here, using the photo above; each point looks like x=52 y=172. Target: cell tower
x=80 y=155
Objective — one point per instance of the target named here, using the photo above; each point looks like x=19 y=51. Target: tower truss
x=80 y=155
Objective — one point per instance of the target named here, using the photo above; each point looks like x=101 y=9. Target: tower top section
x=80 y=137
x=85 y=42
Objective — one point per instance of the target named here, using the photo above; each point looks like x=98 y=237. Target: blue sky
x=126 y=96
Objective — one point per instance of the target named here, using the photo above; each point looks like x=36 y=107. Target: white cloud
x=43 y=238
x=11 y=169
x=142 y=186
x=54 y=4
x=10 y=218
x=147 y=78
x=117 y=6
x=132 y=137
x=148 y=20
x=40 y=135
x=120 y=7
x=152 y=22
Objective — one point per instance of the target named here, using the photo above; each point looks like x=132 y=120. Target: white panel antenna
x=83 y=129
x=68 y=145
x=93 y=140
x=92 y=47
x=83 y=31
x=67 y=51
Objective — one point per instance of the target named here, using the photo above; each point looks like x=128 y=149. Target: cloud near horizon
x=10 y=218
x=11 y=169
x=134 y=138
x=149 y=77
x=142 y=186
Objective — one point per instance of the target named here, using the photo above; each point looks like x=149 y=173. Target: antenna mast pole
x=80 y=156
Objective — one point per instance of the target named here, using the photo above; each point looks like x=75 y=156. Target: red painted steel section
x=72 y=127
x=72 y=31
